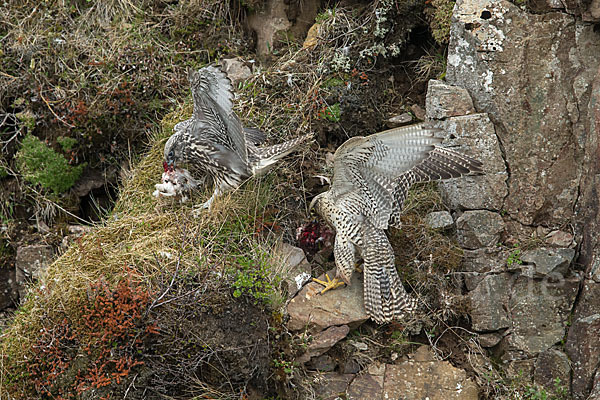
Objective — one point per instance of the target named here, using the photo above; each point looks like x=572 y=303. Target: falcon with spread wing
x=214 y=141
x=371 y=179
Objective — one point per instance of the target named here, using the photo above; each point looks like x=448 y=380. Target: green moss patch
x=41 y=165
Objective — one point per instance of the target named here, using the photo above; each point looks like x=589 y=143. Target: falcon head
x=321 y=204
x=174 y=150
x=314 y=201
x=323 y=180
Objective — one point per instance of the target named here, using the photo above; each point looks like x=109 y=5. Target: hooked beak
x=311 y=207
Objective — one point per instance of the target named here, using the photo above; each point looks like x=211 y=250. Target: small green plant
x=286 y=366
x=514 y=257
x=431 y=66
x=6 y=212
x=5 y=249
x=559 y=392
x=331 y=113
x=27 y=119
x=66 y=143
x=41 y=165
x=325 y=16
x=253 y=278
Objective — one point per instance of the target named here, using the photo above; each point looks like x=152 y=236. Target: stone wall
x=534 y=80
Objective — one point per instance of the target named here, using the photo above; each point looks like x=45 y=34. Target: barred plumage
x=371 y=178
x=214 y=141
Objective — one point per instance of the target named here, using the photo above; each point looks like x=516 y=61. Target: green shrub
x=252 y=278
x=66 y=143
x=332 y=113
x=41 y=165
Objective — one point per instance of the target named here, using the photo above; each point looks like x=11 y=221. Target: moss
x=333 y=82
x=66 y=143
x=439 y=15
x=331 y=113
x=41 y=165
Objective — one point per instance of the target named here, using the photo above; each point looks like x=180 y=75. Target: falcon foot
x=358 y=267
x=329 y=284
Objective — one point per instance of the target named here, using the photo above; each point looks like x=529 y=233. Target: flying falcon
x=371 y=178
x=214 y=141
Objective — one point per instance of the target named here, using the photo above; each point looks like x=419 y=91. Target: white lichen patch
x=460 y=58
x=491 y=38
x=301 y=279
x=488 y=78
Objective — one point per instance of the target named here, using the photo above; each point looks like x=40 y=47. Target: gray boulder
x=295 y=268
x=445 y=100
x=315 y=311
x=416 y=380
x=236 y=70
x=487 y=303
x=399 y=120
x=9 y=294
x=323 y=341
x=537 y=93
x=31 y=261
x=475 y=135
x=479 y=228
x=583 y=340
x=539 y=313
x=439 y=220
x=553 y=262
x=551 y=365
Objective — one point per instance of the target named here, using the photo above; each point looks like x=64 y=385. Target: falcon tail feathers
x=254 y=136
x=271 y=154
x=385 y=297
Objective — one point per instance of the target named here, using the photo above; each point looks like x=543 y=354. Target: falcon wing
x=366 y=169
x=213 y=109
x=441 y=163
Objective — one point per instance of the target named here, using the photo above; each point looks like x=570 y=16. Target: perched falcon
x=214 y=141
x=371 y=179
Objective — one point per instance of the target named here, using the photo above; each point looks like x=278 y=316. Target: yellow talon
x=329 y=284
